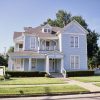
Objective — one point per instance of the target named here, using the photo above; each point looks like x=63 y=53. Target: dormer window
x=47 y=30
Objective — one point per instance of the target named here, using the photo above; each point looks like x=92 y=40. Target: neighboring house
x=50 y=49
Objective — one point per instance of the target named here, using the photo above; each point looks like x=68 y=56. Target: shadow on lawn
x=47 y=91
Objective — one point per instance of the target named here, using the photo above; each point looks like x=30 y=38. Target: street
x=95 y=96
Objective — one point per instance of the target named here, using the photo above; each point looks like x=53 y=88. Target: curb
x=52 y=94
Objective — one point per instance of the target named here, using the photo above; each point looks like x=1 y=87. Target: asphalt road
x=95 y=96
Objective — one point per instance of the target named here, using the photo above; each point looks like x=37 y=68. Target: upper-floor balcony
x=49 y=45
x=37 y=45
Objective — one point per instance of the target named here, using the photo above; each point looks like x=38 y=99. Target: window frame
x=35 y=63
x=75 y=67
x=48 y=30
x=74 y=43
x=31 y=42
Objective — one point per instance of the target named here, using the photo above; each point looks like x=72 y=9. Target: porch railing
x=49 y=48
x=64 y=72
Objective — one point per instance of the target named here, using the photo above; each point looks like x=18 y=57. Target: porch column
x=38 y=44
x=62 y=65
x=10 y=64
x=30 y=64
x=47 y=64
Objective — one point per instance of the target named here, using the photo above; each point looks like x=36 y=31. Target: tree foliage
x=3 y=61
x=11 y=49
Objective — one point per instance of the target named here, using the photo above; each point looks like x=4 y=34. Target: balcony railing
x=18 y=49
x=49 y=48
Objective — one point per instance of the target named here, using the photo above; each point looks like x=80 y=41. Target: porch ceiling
x=55 y=54
x=26 y=54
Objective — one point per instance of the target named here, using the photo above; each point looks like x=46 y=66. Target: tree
x=80 y=20
x=63 y=18
x=3 y=61
x=11 y=49
x=92 y=45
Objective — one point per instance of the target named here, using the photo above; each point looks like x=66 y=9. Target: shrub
x=7 y=76
x=48 y=76
x=79 y=73
x=1 y=78
x=25 y=74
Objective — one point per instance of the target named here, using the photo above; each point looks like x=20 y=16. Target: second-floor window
x=32 y=42
x=74 y=41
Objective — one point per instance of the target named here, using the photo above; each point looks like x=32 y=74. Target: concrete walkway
x=89 y=86
x=32 y=85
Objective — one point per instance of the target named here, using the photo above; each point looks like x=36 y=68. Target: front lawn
x=41 y=90
x=87 y=78
x=31 y=80
x=97 y=84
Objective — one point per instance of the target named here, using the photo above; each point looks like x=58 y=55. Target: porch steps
x=56 y=75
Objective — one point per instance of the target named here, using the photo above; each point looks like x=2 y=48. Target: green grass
x=31 y=80
x=87 y=78
x=97 y=84
x=41 y=90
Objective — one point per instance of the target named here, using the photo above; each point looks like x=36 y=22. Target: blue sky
x=16 y=14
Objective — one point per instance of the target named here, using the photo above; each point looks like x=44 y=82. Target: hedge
x=79 y=73
x=25 y=73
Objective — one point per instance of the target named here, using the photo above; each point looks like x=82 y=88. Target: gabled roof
x=38 y=31
x=74 y=27
x=17 y=34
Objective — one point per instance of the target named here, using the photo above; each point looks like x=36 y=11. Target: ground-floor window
x=74 y=62
x=33 y=63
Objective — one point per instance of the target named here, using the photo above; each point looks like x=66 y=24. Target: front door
x=52 y=65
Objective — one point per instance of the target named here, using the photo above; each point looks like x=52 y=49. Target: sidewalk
x=31 y=85
x=95 y=96
x=89 y=86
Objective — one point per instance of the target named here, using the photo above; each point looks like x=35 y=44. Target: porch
x=36 y=62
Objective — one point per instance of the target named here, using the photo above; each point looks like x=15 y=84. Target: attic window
x=47 y=30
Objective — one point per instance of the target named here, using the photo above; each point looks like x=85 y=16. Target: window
x=33 y=63
x=47 y=43
x=20 y=45
x=72 y=41
x=47 y=30
x=74 y=62
x=32 y=42
x=75 y=41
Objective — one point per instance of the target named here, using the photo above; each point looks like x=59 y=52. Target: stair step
x=56 y=75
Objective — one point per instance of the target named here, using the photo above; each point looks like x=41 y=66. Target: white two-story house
x=50 y=49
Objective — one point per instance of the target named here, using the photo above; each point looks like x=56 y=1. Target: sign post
x=2 y=70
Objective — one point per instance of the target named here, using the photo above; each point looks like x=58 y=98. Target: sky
x=17 y=14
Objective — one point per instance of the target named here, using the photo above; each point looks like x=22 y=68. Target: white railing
x=49 y=48
x=64 y=72
x=18 y=49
